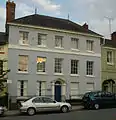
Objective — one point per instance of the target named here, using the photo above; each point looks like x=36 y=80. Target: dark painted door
x=58 y=93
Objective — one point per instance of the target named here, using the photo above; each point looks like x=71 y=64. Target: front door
x=58 y=92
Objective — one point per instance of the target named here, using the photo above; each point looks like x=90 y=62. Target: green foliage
x=3 y=80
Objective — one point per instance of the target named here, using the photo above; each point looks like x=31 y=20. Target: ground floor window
x=22 y=88
x=74 y=87
x=41 y=88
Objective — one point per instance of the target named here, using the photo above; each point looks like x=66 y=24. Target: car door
x=39 y=104
x=108 y=99
x=51 y=105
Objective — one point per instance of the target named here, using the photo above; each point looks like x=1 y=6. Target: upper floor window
x=89 y=68
x=42 y=39
x=74 y=66
x=41 y=64
x=89 y=44
x=109 y=57
x=74 y=43
x=58 y=65
x=23 y=63
x=24 y=37
x=59 y=41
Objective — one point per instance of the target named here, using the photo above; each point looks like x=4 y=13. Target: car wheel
x=31 y=111
x=96 y=106
x=64 y=109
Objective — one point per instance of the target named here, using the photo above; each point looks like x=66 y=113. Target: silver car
x=2 y=110
x=36 y=104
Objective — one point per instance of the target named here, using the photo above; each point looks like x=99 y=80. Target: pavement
x=16 y=112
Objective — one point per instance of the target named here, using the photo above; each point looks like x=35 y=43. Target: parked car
x=98 y=99
x=36 y=104
x=2 y=110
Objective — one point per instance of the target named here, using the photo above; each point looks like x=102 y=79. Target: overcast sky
x=92 y=12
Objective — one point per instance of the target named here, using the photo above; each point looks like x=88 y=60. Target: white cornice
x=53 y=29
x=29 y=48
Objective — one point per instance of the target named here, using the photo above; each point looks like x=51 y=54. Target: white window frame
x=19 y=87
x=74 y=43
x=58 y=65
x=26 y=65
x=90 y=45
x=42 y=39
x=41 y=62
x=109 y=57
x=58 y=40
x=74 y=66
x=90 y=68
x=24 y=38
x=41 y=91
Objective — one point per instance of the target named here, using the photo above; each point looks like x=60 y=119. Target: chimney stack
x=113 y=36
x=10 y=11
x=85 y=26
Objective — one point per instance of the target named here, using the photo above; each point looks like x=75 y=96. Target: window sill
x=75 y=49
x=59 y=48
x=42 y=46
x=41 y=73
x=24 y=44
x=74 y=75
x=22 y=97
x=21 y=72
x=90 y=76
x=90 y=51
x=58 y=74
x=110 y=63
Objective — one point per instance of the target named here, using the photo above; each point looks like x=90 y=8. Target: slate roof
x=52 y=22
x=110 y=43
x=3 y=38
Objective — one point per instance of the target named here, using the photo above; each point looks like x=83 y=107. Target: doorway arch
x=108 y=85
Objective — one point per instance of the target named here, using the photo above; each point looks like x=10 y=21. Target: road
x=102 y=114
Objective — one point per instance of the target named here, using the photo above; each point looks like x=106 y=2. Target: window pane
x=38 y=100
x=74 y=66
x=42 y=39
x=23 y=63
x=47 y=100
x=74 y=43
x=24 y=37
x=89 y=45
x=58 y=65
x=58 y=41
x=41 y=64
x=109 y=57
x=89 y=66
x=22 y=88
x=41 y=88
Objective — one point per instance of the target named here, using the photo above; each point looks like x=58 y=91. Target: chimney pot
x=85 y=26
x=113 y=36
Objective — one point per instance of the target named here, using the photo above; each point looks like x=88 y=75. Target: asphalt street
x=102 y=114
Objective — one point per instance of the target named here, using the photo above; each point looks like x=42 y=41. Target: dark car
x=98 y=99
